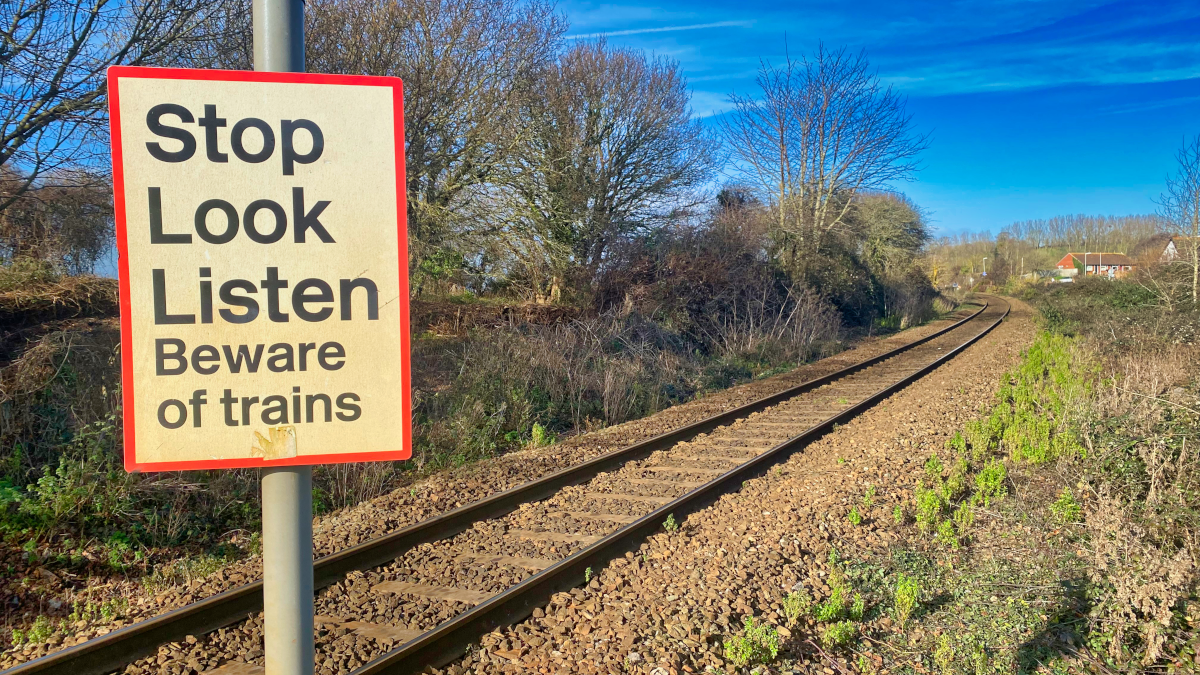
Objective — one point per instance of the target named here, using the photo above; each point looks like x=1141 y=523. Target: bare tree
x=466 y=65
x=824 y=129
x=612 y=149
x=64 y=220
x=1181 y=205
x=53 y=57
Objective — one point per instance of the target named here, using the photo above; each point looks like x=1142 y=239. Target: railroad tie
x=632 y=498
x=376 y=631
x=747 y=443
x=236 y=668
x=664 y=483
x=721 y=458
x=588 y=515
x=559 y=537
x=536 y=564
x=429 y=591
x=678 y=469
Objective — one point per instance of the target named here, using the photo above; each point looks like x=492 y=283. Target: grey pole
x=286 y=491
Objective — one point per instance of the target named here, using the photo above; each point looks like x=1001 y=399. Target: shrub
x=839 y=634
x=833 y=606
x=758 y=643
x=990 y=482
x=964 y=518
x=946 y=534
x=934 y=469
x=854 y=516
x=1065 y=508
x=795 y=606
x=857 y=608
x=930 y=505
x=907 y=596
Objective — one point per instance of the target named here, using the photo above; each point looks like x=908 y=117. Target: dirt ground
x=668 y=608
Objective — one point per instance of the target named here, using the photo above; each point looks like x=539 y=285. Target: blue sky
x=1034 y=108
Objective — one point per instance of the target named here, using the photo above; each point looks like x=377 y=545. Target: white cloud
x=663 y=29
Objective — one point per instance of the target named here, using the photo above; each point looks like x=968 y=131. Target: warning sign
x=263 y=268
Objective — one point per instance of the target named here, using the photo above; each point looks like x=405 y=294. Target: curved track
x=421 y=595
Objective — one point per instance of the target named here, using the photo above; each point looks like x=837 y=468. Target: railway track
x=421 y=595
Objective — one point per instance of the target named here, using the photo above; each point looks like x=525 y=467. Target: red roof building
x=1104 y=264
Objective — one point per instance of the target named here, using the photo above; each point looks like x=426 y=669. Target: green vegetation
x=839 y=634
x=854 y=516
x=670 y=525
x=930 y=504
x=1065 y=508
x=758 y=644
x=1094 y=568
x=907 y=597
x=795 y=606
x=538 y=436
x=990 y=482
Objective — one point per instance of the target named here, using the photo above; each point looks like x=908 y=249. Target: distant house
x=1176 y=248
x=1151 y=250
x=1105 y=264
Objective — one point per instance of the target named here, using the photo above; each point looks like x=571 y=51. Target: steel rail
x=114 y=651
x=449 y=640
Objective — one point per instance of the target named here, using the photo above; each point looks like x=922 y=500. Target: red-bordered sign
x=303 y=154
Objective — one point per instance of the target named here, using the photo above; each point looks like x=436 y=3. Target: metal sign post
x=286 y=491
x=263 y=274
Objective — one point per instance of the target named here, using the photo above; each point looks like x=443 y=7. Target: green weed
x=833 y=606
x=908 y=593
x=930 y=505
x=40 y=631
x=758 y=644
x=934 y=469
x=943 y=656
x=854 y=516
x=869 y=498
x=946 y=535
x=964 y=518
x=670 y=525
x=795 y=606
x=838 y=634
x=958 y=444
x=990 y=482
x=898 y=514
x=1065 y=508
x=956 y=485
x=857 y=608
x=539 y=436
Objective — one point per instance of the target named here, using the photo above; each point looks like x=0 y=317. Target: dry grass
x=25 y=300
x=1142 y=523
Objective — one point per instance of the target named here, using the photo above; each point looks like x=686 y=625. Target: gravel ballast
x=667 y=608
